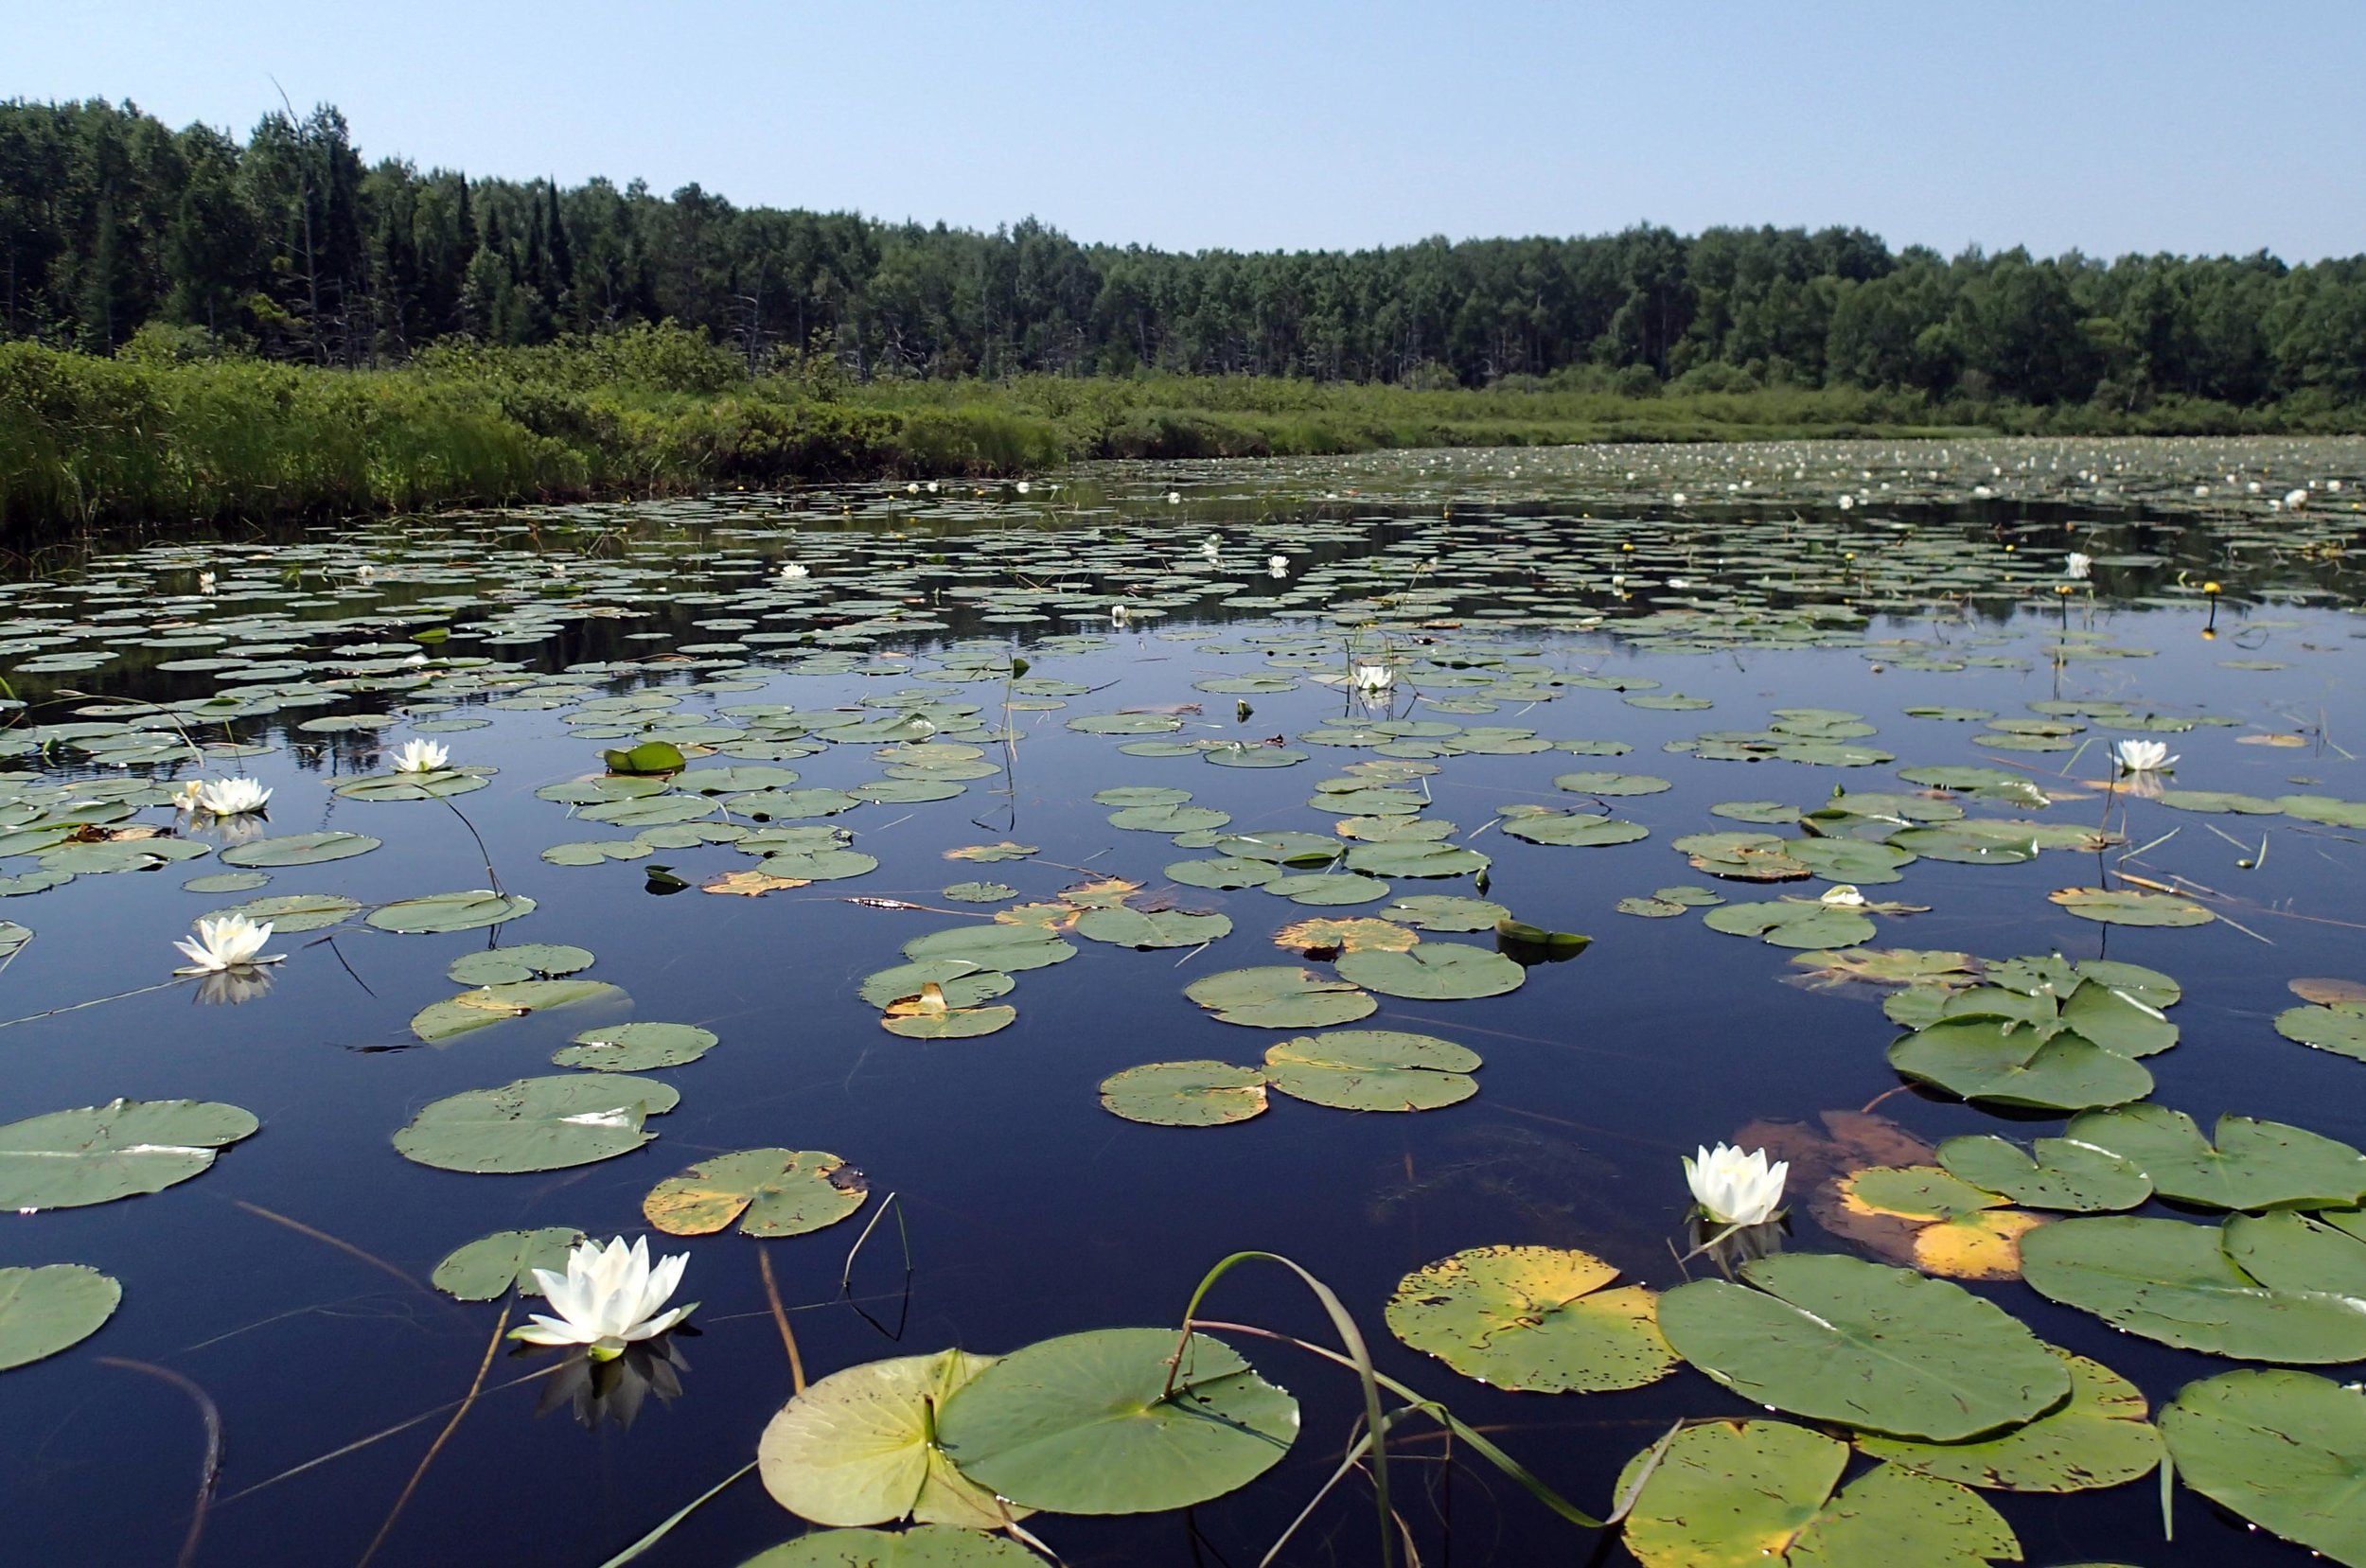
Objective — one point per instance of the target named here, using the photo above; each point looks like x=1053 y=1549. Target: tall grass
x=156 y=439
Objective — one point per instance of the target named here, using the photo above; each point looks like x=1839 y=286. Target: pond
x=955 y=917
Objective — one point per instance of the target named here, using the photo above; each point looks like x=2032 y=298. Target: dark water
x=1030 y=1211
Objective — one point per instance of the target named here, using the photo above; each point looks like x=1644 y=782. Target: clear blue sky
x=2098 y=125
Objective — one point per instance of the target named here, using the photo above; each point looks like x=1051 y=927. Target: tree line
x=117 y=232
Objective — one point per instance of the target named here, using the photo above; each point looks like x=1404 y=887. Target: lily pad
x=70 y=1160
x=1373 y=1069
x=636 y=1048
x=1527 y=1317
x=1123 y=928
x=926 y=1547
x=2099 y=1437
x=1792 y=923
x=858 y=1448
x=2058 y=1172
x=491 y=1004
x=53 y=1308
x=1729 y=1494
x=537 y=1124
x=2253 y=1164
x=300 y=848
x=1281 y=996
x=2340 y=1028
x=288 y=914
x=491 y=1266
x=1886 y=1350
x=462 y=911
x=1185 y=1094
x=2172 y=1281
x=526 y=962
x=770 y=1191
x=2130 y=907
x=2284 y=1449
x=1110 y=1422
x=2005 y=1063
x=1433 y=971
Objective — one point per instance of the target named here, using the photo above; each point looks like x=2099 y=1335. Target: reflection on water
x=612 y=1390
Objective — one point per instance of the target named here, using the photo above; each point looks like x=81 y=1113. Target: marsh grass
x=658 y=410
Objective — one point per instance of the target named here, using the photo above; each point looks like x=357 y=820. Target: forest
x=117 y=231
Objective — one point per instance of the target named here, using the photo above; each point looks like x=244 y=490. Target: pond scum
x=812 y=664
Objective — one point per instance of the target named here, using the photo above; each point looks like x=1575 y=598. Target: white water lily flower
x=1843 y=896
x=1117 y=615
x=1174 y=497
x=205 y=582
x=2142 y=756
x=1023 y=486
x=422 y=756
x=1212 y=546
x=1375 y=678
x=1278 y=565
x=365 y=573
x=610 y=1297
x=2078 y=567
x=228 y=942
x=1734 y=1188
x=793 y=570
x=2295 y=499
x=231 y=797
x=913 y=488
x=190 y=796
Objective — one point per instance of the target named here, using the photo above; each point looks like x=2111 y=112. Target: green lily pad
x=963 y=984
x=1009 y=948
x=654 y=756
x=858 y=1448
x=2058 y=1174
x=2255 y=1165
x=1110 y=1422
x=2005 y=1063
x=412 y=787
x=1123 y=928
x=537 y=1124
x=636 y=1048
x=1792 y=923
x=770 y=1191
x=70 y=1160
x=491 y=1266
x=487 y=1005
x=2130 y=907
x=53 y=1308
x=1730 y=1494
x=1281 y=996
x=462 y=911
x=300 y=848
x=1575 y=830
x=1433 y=971
x=1886 y=1350
x=2172 y=1281
x=926 y=1547
x=980 y=892
x=2295 y=1252
x=1185 y=1094
x=954 y=1023
x=526 y=962
x=1221 y=873
x=2284 y=1449
x=1444 y=912
x=288 y=914
x=2099 y=1437
x=1372 y=1069
x=1611 y=784
x=1527 y=1317
x=2341 y=1027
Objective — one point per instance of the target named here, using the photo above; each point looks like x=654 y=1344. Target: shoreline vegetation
x=156 y=436
x=196 y=327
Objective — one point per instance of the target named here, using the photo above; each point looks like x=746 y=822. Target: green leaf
x=2099 y=1437
x=537 y=1124
x=1526 y=1317
x=1884 y=1349
x=650 y=756
x=928 y=1546
x=1086 y=1424
x=491 y=1266
x=2005 y=1063
x=2130 y=906
x=2284 y=1449
x=54 y=1308
x=1370 y=1069
x=70 y=1160
x=1433 y=971
x=858 y=1448
x=1123 y=928
x=493 y=1004
x=289 y=913
x=300 y=848
x=1279 y=997
x=1185 y=1094
x=2255 y=1165
x=963 y=983
x=526 y=962
x=1444 y=912
x=636 y=1048
x=463 y=911
x=1738 y=1494
x=1009 y=948
x=2340 y=1029
x=1792 y=923
x=2061 y=1173
x=770 y=1191
x=2172 y=1281
x=1573 y=830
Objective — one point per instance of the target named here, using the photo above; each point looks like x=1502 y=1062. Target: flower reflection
x=1730 y=1246
x=230 y=987
x=614 y=1389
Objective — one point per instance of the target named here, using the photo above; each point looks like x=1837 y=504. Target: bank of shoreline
x=87 y=440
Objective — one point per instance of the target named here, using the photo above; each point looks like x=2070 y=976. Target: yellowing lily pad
x=770 y=1191
x=1528 y=1317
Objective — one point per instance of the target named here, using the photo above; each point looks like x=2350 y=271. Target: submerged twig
x=780 y=1318
x=211 y=1468
x=467 y=1400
